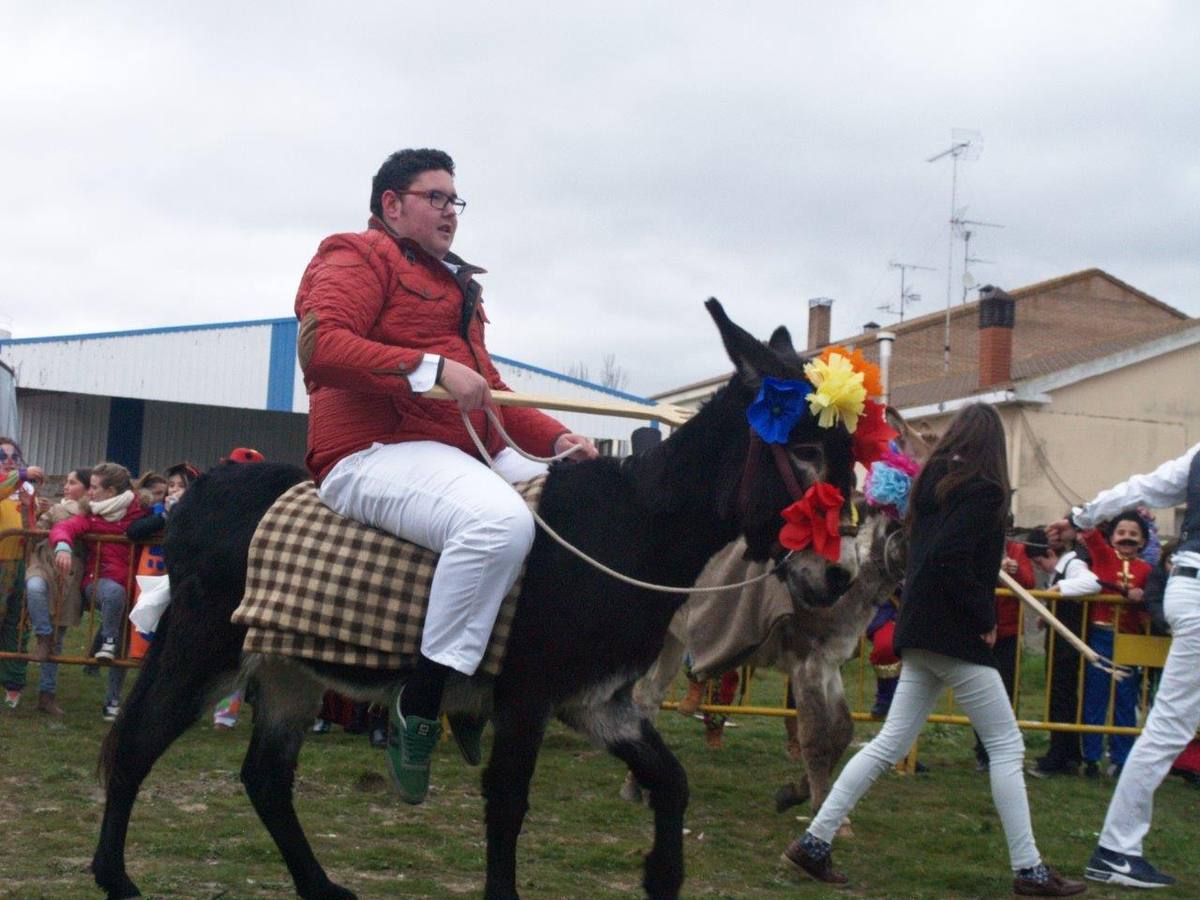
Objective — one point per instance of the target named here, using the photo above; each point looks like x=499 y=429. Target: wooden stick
x=1100 y=662
x=666 y=413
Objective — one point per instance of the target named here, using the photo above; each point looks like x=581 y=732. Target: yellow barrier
x=1137 y=650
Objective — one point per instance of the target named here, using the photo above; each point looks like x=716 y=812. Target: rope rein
x=562 y=542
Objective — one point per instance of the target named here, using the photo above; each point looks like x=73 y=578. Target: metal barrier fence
x=1141 y=651
x=130 y=647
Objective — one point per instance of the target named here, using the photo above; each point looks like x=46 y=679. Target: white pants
x=1171 y=724
x=980 y=692
x=439 y=497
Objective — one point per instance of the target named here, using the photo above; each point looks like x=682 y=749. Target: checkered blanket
x=319 y=586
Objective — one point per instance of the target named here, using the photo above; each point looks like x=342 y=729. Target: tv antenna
x=907 y=296
x=966 y=145
x=968 y=280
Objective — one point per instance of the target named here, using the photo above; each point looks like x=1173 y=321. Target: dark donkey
x=579 y=641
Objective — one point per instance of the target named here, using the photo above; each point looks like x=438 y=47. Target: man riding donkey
x=384 y=316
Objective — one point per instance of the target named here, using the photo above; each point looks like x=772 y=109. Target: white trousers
x=439 y=497
x=1171 y=724
x=980 y=692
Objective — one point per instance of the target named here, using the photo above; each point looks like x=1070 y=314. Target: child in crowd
x=152 y=489
x=54 y=602
x=1069 y=576
x=1116 y=563
x=1016 y=563
x=112 y=508
x=17 y=510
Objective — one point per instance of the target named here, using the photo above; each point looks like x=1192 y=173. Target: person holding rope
x=945 y=634
x=1118 y=857
x=384 y=315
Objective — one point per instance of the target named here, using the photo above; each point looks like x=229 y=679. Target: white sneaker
x=108 y=650
x=111 y=711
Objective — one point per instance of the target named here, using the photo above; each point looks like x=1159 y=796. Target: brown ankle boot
x=44 y=648
x=714 y=735
x=695 y=696
x=47 y=705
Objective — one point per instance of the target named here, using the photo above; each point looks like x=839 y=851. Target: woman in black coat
x=945 y=633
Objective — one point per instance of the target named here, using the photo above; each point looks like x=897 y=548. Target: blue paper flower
x=887 y=486
x=778 y=407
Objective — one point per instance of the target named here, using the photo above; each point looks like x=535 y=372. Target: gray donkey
x=765 y=627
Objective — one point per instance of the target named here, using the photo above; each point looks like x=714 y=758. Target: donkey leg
x=165 y=700
x=518 y=738
x=282 y=715
x=619 y=725
x=826 y=730
x=652 y=689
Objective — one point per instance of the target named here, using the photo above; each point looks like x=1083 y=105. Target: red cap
x=245 y=455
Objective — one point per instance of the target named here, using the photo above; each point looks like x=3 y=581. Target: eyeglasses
x=15 y=457
x=439 y=200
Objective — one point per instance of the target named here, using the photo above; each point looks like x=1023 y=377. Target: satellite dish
x=969 y=280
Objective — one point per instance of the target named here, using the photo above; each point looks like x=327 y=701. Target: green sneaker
x=467 y=731
x=410 y=745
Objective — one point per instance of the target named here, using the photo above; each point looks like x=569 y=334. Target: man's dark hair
x=401 y=169
x=1037 y=544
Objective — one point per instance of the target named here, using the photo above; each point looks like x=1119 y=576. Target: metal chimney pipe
x=886 y=339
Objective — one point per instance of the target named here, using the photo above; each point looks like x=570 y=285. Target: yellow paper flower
x=838 y=391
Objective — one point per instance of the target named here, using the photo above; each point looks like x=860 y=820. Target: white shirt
x=1165 y=486
x=1073 y=578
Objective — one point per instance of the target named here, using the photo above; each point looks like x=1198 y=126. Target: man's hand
x=1060 y=531
x=990 y=638
x=1009 y=565
x=468 y=388
x=35 y=473
x=584 y=448
x=62 y=562
x=1137 y=595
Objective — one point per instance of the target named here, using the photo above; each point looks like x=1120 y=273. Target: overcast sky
x=169 y=163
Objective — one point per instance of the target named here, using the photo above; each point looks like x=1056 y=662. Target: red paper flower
x=814 y=520
x=872 y=435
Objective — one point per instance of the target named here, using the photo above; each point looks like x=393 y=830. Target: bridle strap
x=784 y=464
x=743 y=499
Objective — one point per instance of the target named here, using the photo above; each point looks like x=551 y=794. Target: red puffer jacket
x=114 y=558
x=370 y=307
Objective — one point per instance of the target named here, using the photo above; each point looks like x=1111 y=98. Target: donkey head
x=755 y=482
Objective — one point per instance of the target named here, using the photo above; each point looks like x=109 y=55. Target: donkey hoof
x=329 y=891
x=123 y=891
x=117 y=886
x=790 y=795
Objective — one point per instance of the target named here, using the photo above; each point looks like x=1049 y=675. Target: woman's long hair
x=972 y=449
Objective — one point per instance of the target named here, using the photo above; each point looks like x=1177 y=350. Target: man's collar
x=411 y=248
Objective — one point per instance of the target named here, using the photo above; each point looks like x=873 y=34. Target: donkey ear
x=751 y=356
x=781 y=340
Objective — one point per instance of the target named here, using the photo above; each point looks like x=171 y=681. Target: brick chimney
x=819 y=311
x=996 y=315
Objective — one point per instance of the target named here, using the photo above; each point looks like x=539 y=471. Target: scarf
x=113 y=508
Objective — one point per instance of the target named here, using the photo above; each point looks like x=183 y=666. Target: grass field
x=195 y=835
